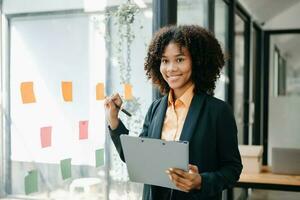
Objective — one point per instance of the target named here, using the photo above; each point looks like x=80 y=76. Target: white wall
x=284 y=126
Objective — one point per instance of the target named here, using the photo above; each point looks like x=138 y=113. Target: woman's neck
x=177 y=93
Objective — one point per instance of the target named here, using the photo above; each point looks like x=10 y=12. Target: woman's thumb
x=193 y=168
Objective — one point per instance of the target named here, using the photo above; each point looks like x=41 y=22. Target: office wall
x=284 y=126
x=284 y=109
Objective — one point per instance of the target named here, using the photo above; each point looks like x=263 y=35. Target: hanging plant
x=123 y=19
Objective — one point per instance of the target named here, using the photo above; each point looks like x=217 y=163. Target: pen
x=123 y=110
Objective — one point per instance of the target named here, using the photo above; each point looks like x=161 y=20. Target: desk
x=267 y=180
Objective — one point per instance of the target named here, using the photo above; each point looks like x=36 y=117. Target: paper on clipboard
x=147 y=159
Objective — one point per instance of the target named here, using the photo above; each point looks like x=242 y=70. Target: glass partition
x=192 y=12
x=61 y=59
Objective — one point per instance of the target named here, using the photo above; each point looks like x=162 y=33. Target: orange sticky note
x=46 y=136
x=67 y=90
x=100 y=91
x=27 y=92
x=127 y=91
x=83 y=130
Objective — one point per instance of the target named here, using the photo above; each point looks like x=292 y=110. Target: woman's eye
x=164 y=61
x=179 y=60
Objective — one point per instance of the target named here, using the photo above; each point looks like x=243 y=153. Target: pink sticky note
x=46 y=136
x=83 y=130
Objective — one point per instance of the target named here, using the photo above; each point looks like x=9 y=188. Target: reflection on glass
x=192 y=12
x=284 y=96
x=252 y=85
x=286 y=64
x=119 y=185
x=239 y=64
x=48 y=48
x=221 y=33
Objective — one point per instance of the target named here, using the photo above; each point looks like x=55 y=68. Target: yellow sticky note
x=100 y=91
x=128 y=91
x=27 y=92
x=67 y=91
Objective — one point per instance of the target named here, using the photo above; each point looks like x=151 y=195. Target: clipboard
x=147 y=159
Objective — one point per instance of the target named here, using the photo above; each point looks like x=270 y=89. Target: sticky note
x=27 y=92
x=83 y=130
x=99 y=154
x=65 y=167
x=127 y=91
x=31 y=182
x=46 y=136
x=100 y=91
x=67 y=91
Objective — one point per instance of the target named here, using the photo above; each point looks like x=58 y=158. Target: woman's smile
x=174 y=78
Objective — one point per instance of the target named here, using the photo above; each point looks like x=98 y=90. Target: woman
x=185 y=62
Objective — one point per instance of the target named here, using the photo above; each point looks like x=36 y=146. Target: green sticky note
x=65 y=167
x=99 y=157
x=31 y=182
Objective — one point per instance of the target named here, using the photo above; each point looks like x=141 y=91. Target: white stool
x=86 y=185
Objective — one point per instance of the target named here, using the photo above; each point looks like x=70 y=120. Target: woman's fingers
x=193 y=168
x=181 y=186
x=116 y=99
x=185 y=180
x=180 y=173
x=113 y=101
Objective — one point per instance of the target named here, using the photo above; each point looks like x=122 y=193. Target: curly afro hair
x=206 y=53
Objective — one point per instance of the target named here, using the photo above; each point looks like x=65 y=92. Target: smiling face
x=176 y=68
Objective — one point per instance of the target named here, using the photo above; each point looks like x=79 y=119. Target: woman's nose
x=172 y=66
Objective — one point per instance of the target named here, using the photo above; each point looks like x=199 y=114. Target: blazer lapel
x=159 y=118
x=192 y=117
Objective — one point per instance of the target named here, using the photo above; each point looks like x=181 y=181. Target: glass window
x=239 y=75
x=254 y=82
x=284 y=96
x=285 y=65
x=47 y=50
x=55 y=60
x=221 y=33
x=192 y=12
x=123 y=54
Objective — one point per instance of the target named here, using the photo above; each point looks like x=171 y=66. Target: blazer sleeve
x=228 y=154
x=121 y=129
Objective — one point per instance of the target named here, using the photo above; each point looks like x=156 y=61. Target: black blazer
x=211 y=131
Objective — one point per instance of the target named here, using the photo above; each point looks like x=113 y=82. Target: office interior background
x=86 y=42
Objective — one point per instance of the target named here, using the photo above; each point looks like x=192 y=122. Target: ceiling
x=265 y=10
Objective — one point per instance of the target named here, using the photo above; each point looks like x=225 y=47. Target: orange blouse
x=176 y=114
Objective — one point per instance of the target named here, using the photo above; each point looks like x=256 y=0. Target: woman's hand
x=186 y=181
x=111 y=105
